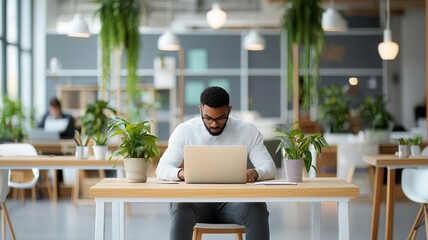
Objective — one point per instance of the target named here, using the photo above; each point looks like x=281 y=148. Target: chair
x=413 y=183
x=21 y=179
x=350 y=157
x=4 y=190
x=216 y=228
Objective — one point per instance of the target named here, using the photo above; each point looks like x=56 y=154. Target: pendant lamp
x=332 y=20
x=216 y=17
x=168 y=41
x=78 y=27
x=253 y=41
x=388 y=50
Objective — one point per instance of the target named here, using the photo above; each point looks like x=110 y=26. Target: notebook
x=215 y=163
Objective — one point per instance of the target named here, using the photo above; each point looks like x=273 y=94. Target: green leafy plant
x=11 y=120
x=81 y=140
x=334 y=109
x=374 y=114
x=136 y=140
x=120 y=21
x=416 y=140
x=295 y=145
x=100 y=139
x=404 y=141
x=94 y=120
x=302 y=23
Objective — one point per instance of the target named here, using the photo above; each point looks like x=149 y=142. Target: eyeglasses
x=210 y=120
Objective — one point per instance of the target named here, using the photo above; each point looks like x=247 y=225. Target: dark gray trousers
x=254 y=216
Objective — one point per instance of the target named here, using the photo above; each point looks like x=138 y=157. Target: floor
x=42 y=220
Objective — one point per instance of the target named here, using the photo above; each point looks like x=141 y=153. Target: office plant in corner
x=137 y=147
x=376 y=118
x=295 y=149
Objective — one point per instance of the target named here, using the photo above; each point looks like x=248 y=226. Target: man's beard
x=217 y=130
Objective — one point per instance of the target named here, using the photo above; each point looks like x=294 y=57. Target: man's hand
x=252 y=175
x=180 y=174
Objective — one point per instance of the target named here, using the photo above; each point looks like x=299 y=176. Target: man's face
x=55 y=111
x=215 y=119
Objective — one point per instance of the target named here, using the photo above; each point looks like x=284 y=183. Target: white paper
x=275 y=183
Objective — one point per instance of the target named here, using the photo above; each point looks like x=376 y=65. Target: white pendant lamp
x=168 y=41
x=388 y=50
x=78 y=27
x=332 y=20
x=253 y=41
x=216 y=17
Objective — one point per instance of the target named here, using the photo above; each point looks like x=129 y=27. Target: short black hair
x=54 y=102
x=215 y=97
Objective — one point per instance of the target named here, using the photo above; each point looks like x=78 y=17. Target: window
x=16 y=48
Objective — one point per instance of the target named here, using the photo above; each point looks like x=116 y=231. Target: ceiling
x=187 y=14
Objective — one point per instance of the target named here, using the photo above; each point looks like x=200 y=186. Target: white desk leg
x=118 y=220
x=343 y=215
x=316 y=220
x=99 y=220
x=119 y=172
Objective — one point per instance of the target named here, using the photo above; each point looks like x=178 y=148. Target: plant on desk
x=100 y=148
x=137 y=147
x=415 y=149
x=294 y=146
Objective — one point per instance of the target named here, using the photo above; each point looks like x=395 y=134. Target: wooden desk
x=391 y=162
x=317 y=190
x=57 y=162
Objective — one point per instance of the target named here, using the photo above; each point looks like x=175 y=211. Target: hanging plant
x=302 y=23
x=119 y=29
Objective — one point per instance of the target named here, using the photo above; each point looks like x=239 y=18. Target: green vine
x=119 y=28
x=302 y=23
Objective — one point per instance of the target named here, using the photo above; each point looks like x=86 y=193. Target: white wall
x=412 y=55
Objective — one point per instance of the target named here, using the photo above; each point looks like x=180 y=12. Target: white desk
x=46 y=162
x=117 y=191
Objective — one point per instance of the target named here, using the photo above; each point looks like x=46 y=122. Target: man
x=216 y=127
x=55 y=113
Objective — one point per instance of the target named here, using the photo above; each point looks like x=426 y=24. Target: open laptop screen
x=215 y=163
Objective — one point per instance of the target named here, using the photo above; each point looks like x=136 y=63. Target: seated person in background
x=56 y=120
x=216 y=127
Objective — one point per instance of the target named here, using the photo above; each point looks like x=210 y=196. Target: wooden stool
x=201 y=228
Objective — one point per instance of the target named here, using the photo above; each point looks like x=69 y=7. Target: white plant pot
x=82 y=152
x=415 y=150
x=136 y=170
x=100 y=152
x=294 y=169
x=377 y=136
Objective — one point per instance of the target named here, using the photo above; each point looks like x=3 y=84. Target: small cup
x=403 y=151
x=82 y=152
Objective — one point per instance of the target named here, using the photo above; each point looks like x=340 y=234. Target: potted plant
x=302 y=22
x=11 y=121
x=137 y=147
x=294 y=146
x=415 y=149
x=403 y=147
x=100 y=148
x=376 y=118
x=334 y=110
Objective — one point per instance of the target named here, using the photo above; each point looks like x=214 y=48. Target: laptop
x=39 y=134
x=215 y=163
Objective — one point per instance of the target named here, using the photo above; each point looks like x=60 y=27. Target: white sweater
x=236 y=132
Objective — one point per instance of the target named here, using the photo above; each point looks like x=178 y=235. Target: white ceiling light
x=332 y=20
x=388 y=50
x=216 y=17
x=253 y=41
x=78 y=27
x=168 y=41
